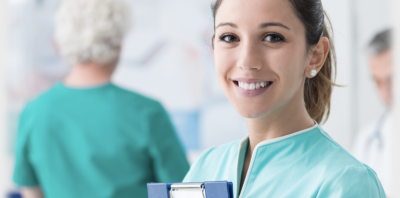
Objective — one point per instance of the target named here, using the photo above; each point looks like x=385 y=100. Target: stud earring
x=313 y=72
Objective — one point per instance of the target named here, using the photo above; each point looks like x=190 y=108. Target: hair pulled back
x=317 y=90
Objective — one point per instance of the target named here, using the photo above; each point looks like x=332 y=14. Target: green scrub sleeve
x=24 y=174
x=168 y=157
x=352 y=181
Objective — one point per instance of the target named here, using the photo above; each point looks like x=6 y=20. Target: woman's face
x=260 y=55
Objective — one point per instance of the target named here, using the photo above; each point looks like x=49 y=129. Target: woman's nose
x=250 y=57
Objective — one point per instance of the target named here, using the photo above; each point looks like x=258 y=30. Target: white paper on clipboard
x=192 y=190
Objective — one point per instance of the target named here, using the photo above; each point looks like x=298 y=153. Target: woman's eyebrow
x=265 y=25
x=227 y=24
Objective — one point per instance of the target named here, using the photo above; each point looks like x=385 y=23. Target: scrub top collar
x=243 y=149
x=85 y=88
x=245 y=140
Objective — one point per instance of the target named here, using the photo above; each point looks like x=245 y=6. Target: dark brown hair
x=317 y=90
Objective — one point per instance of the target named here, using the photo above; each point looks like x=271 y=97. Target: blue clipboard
x=213 y=189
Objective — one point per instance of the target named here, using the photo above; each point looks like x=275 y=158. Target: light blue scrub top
x=307 y=163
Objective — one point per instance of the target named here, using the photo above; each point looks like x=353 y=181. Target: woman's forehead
x=255 y=12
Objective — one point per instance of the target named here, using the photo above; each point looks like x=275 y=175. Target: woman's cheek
x=287 y=68
x=291 y=74
x=223 y=64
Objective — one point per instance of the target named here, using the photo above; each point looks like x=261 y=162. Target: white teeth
x=252 y=86
x=246 y=86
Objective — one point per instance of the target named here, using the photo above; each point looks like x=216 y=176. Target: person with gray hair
x=380 y=60
x=371 y=141
x=87 y=137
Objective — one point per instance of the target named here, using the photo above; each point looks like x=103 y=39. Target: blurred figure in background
x=87 y=137
x=371 y=141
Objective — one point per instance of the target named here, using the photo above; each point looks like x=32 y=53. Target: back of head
x=381 y=42
x=91 y=30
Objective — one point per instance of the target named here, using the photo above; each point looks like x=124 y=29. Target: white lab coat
x=370 y=145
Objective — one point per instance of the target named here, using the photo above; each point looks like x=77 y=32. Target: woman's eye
x=229 y=38
x=274 y=38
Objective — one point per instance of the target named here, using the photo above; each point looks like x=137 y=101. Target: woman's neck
x=90 y=74
x=290 y=119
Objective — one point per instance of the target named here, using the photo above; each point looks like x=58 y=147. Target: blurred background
x=168 y=57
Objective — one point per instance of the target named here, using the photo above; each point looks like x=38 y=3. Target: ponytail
x=318 y=90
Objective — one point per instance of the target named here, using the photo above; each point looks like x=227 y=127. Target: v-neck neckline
x=243 y=146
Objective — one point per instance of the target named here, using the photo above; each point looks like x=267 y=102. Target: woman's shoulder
x=334 y=153
x=352 y=181
x=345 y=172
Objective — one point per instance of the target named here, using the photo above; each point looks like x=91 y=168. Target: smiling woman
x=275 y=62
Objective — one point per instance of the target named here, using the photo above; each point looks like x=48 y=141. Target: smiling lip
x=251 y=87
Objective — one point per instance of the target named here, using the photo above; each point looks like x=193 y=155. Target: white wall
x=394 y=147
x=4 y=169
x=6 y=159
x=340 y=120
x=373 y=16
x=355 y=22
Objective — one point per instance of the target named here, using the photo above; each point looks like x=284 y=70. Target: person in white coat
x=371 y=141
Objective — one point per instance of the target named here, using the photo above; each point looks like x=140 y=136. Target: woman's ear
x=318 y=57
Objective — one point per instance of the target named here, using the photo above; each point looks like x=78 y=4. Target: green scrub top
x=101 y=142
x=307 y=163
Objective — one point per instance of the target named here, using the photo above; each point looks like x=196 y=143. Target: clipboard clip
x=184 y=190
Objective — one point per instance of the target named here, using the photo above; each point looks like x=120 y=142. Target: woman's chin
x=255 y=108
x=252 y=114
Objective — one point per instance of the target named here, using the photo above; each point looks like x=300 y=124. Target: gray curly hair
x=91 y=30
